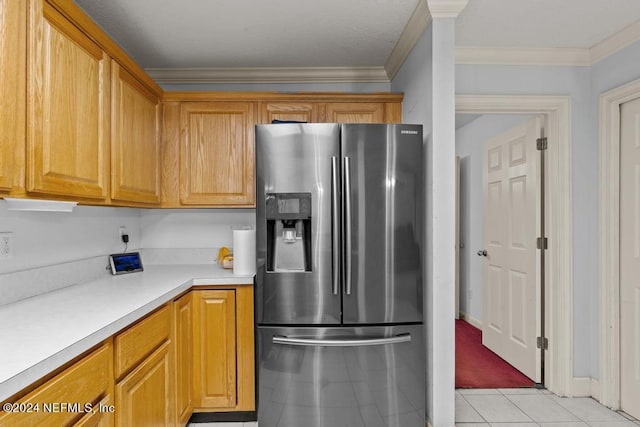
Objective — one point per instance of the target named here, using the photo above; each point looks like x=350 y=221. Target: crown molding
x=416 y=25
x=549 y=56
x=269 y=75
x=522 y=56
x=446 y=8
x=616 y=42
x=420 y=19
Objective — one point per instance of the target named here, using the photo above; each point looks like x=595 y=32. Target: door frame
x=609 y=192
x=559 y=223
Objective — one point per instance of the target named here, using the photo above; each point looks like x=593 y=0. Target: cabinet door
x=217 y=153
x=306 y=112
x=68 y=84
x=355 y=112
x=145 y=396
x=214 y=349
x=135 y=139
x=183 y=312
x=61 y=400
x=12 y=87
x=245 y=349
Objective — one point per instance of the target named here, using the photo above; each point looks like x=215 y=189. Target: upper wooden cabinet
x=217 y=153
x=308 y=112
x=355 y=112
x=333 y=108
x=135 y=139
x=68 y=109
x=13 y=23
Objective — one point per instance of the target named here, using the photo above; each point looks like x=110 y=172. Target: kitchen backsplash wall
x=53 y=250
x=193 y=228
x=48 y=238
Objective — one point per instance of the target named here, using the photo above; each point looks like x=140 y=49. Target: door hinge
x=542 y=342
x=541 y=243
x=541 y=143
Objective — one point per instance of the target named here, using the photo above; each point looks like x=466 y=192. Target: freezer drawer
x=350 y=377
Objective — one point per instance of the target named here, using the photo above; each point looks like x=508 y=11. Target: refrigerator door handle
x=335 y=226
x=346 y=182
x=341 y=342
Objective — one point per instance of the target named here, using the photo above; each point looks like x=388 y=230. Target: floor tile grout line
x=473 y=407
x=530 y=420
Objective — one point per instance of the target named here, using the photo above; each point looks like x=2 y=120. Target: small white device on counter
x=129 y=262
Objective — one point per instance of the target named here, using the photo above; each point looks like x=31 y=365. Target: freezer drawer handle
x=341 y=342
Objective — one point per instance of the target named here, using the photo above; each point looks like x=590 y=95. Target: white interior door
x=510 y=301
x=630 y=257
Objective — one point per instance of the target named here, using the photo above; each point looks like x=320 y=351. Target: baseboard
x=595 y=389
x=586 y=387
x=473 y=321
x=226 y=417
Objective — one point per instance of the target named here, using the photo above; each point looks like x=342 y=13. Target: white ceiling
x=253 y=33
x=543 y=23
x=336 y=33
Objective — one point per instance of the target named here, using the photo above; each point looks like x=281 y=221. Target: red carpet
x=479 y=367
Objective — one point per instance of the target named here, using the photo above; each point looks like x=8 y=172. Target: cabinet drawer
x=100 y=417
x=61 y=400
x=138 y=341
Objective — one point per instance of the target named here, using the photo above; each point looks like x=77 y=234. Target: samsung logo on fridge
x=408 y=132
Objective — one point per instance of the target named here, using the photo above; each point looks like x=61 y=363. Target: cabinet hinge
x=541 y=243
x=542 y=342
x=541 y=143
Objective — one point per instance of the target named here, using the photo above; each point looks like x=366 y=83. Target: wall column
x=441 y=313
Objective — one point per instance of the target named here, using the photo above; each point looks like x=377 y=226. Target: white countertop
x=42 y=333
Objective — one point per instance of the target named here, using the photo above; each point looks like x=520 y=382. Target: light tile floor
x=533 y=407
x=518 y=408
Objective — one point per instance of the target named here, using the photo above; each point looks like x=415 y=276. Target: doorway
x=620 y=247
x=500 y=206
x=558 y=279
x=630 y=257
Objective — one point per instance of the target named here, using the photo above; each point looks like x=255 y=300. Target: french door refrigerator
x=339 y=290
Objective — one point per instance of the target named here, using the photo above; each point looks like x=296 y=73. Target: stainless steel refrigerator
x=339 y=288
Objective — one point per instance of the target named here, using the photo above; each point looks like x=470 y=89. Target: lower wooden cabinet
x=102 y=417
x=69 y=397
x=214 y=349
x=195 y=354
x=145 y=396
x=183 y=339
x=223 y=350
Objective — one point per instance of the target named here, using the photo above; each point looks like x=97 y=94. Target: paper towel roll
x=244 y=251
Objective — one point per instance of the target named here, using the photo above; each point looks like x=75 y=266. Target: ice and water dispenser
x=288 y=218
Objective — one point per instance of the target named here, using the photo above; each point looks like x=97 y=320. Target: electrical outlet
x=123 y=231
x=6 y=245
